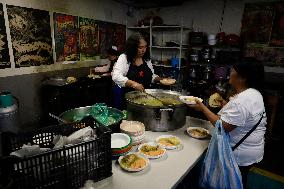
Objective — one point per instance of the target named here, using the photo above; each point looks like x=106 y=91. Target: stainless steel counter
x=167 y=171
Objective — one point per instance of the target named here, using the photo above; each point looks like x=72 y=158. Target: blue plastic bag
x=220 y=169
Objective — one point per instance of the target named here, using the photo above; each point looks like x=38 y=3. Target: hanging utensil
x=156 y=98
x=57 y=118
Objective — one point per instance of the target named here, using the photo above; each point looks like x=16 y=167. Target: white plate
x=195 y=136
x=132 y=127
x=119 y=140
x=168 y=81
x=168 y=147
x=133 y=170
x=137 y=138
x=184 y=99
x=152 y=144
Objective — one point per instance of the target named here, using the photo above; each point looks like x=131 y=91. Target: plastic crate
x=66 y=167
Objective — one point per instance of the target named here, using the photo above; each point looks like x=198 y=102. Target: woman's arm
x=120 y=70
x=134 y=85
x=211 y=116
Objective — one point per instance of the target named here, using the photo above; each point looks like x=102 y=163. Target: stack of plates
x=121 y=144
x=135 y=129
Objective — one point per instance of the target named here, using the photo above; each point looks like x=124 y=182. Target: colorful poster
x=89 y=42
x=119 y=36
x=268 y=55
x=30 y=36
x=257 y=23
x=66 y=37
x=277 y=34
x=106 y=32
x=4 y=51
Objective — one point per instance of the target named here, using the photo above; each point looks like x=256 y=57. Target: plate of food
x=152 y=150
x=133 y=162
x=167 y=81
x=215 y=100
x=189 y=99
x=169 y=142
x=197 y=132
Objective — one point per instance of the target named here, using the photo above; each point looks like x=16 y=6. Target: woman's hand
x=138 y=87
x=199 y=106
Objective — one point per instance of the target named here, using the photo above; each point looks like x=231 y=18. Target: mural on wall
x=66 y=37
x=88 y=39
x=266 y=54
x=257 y=23
x=30 y=36
x=119 y=36
x=277 y=35
x=111 y=34
x=106 y=33
x=4 y=51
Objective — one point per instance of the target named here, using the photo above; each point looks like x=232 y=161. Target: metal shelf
x=138 y=27
x=165 y=47
x=170 y=27
x=217 y=48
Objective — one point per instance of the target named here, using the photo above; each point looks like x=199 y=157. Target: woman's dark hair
x=131 y=47
x=252 y=71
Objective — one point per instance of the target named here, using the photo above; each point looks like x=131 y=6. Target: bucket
x=6 y=99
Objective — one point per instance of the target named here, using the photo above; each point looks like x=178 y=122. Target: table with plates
x=167 y=171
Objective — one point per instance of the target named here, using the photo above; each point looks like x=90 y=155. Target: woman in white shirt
x=242 y=112
x=133 y=69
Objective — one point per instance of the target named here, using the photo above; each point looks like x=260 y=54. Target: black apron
x=141 y=74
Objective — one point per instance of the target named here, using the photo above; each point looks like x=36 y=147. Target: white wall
x=106 y=10
x=206 y=14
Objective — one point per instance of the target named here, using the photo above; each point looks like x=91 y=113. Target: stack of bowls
x=135 y=129
x=121 y=144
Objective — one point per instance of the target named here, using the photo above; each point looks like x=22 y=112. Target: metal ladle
x=58 y=118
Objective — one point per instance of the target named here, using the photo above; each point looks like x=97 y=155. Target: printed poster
x=30 y=35
x=277 y=35
x=89 y=42
x=4 y=51
x=106 y=36
x=119 y=37
x=66 y=35
x=257 y=23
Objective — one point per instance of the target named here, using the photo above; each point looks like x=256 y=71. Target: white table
x=165 y=172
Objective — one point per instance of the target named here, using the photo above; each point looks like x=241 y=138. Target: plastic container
x=67 y=167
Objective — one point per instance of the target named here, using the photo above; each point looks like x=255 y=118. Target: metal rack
x=162 y=48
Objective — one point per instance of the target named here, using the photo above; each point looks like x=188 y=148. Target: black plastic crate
x=67 y=167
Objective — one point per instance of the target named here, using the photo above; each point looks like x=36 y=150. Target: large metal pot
x=163 y=118
x=73 y=114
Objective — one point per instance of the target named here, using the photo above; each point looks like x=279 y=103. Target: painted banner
x=88 y=39
x=277 y=35
x=257 y=23
x=111 y=34
x=268 y=55
x=66 y=37
x=4 y=51
x=106 y=32
x=30 y=36
x=119 y=36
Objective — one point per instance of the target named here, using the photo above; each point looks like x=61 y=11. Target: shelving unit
x=218 y=48
x=154 y=30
